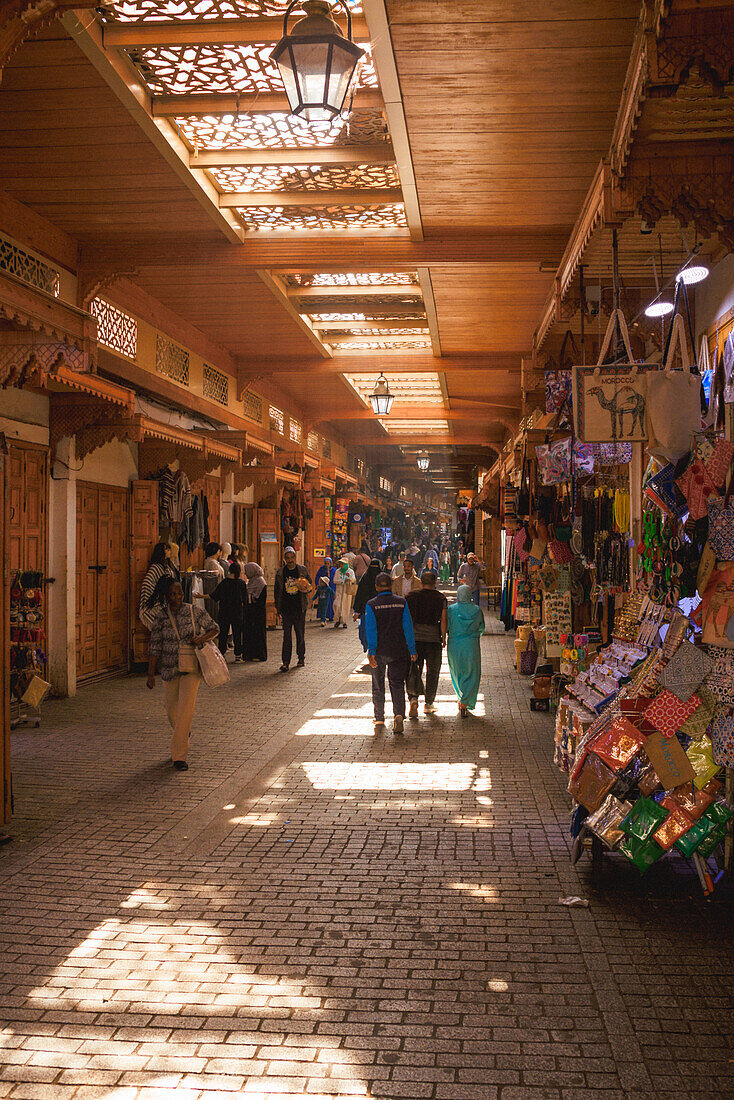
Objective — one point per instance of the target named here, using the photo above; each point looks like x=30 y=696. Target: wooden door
x=212 y=486
x=143 y=537
x=5 y=787
x=102 y=578
x=27 y=487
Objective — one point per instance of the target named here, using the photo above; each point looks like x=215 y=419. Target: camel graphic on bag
x=625 y=401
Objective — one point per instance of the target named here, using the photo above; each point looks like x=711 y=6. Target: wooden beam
x=335 y=154
x=390 y=290
x=426 y=440
x=210 y=32
x=383 y=58
x=424 y=278
x=276 y=288
x=345 y=252
x=363 y=340
x=229 y=200
x=418 y=363
x=125 y=82
x=418 y=413
x=228 y=103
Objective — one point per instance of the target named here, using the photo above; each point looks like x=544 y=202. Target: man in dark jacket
x=293 y=586
x=391 y=647
x=428 y=610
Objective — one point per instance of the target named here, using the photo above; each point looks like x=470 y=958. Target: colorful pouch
x=686 y=670
x=720 y=680
x=592 y=784
x=612 y=454
x=694 y=802
x=672 y=829
x=701 y=755
x=606 y=822
x=697 y=485
x=645 y=817
x=721 y=528
x=554 y=461
x=712 y=842
x=617 y=745
x=668 y=713
x=558 y=390
x=699 y=830
x=642 y=855
x=721 y=733
x=698 y=723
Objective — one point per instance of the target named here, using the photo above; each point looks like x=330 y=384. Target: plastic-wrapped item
x=694 y=802
x=606 y=822
x=592 y=783
x=701 y=755
x=672 y=829
x=649 y=781
x=698 y=832
x=644 y=819
x=619 y=744
x=642 y=854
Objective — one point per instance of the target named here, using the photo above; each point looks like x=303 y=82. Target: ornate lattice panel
x=295 y=430
x=216 y=385
x=312 y=177
x=355 y=278
x=16 y=261
x=408 y=313
x=279 y=130
x=130 y=11
x=313 y=442
x=326 y=445
x=252 y=406
x=386 y=216
x=277 y=420
x=182 y=70
x=115 y=328
x=171 y=360
x=336 y=334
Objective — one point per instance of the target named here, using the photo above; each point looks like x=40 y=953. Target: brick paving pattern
x=315 y=910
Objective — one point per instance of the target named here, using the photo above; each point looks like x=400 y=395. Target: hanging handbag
x=522 y=503
x=187 y=661
x=720 y=680
x=721 y=732
x=686 y=670
x=414 y=681
x=213 y=665
x=673 y=401
x=529 y=658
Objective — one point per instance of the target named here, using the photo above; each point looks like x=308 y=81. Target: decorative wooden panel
x=312 y=177
x=86 y=579
x=27 y=499
x=143 y=537
x=278 y=130
x=102 y=578
x=385 y=216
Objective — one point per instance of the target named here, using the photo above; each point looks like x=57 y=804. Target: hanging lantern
x=317 y=63
x=695 y=273
x=424 y=461
x=381 y=399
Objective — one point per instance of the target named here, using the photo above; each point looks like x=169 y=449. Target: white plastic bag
x=213 y=665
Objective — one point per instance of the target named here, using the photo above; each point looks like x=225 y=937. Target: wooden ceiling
x=482 y=121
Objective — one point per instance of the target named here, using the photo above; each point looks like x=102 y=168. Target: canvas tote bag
x=673 y=401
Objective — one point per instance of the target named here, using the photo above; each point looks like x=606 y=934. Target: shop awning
x=319 y=483
x=339 y=475
x=82 y=405
x=307 y=460
x=267 y=473
x=249 y=445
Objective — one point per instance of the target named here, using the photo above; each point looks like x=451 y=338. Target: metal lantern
x=381 y=399
x=316 y=61
x=424 y=461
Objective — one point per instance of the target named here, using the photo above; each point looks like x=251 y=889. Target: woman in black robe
x=255 y=632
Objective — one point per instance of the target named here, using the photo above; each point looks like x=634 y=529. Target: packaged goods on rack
x=28 y=684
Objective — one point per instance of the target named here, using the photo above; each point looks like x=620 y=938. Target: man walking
x=470 y=574
x=407 y=581
x=293 y=587
x=428 y=610
x=397 y=569
x=390 y=646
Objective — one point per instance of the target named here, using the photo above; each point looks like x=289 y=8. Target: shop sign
x=668 y=758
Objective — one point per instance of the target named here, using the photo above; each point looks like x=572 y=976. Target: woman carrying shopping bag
x=178 y=631
x=345 y=584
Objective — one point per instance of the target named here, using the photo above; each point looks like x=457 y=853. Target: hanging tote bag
x=673 y=401
x=609 y=400
x=186 y=651
x=529 y=657
x=213 y=665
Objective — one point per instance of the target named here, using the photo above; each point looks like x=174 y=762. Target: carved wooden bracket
x=19 y=19
x=93 y=280
x=22 y=353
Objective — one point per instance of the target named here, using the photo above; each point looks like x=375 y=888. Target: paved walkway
x=316 y=911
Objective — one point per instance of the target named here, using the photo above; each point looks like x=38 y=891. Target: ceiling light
x=317 y=63
x=424 y=461
x=692 y=275
x=659 y=309
x=381 y=399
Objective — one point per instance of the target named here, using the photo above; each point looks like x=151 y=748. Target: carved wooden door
x=86 y=579
x=102 y=578
x=143 y=537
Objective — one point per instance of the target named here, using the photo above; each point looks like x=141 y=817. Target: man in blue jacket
x=390 y=647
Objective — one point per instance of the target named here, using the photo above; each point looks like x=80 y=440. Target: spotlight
x=659 y=309
x=692 y=275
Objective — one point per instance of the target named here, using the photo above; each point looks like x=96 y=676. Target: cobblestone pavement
x=313 y=910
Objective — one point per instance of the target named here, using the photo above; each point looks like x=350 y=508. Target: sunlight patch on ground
x=482 y=890
x=477 y=821
x=357 y=776
x=264 y=819
x=497 y=985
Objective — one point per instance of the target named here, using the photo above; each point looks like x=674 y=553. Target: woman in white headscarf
x=255 y=646
x=345 y=584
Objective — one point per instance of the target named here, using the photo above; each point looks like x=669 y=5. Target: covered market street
x=316 y=910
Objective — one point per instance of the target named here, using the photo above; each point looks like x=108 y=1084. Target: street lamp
x=424 y=461
x=317 y=63
x=381 y=399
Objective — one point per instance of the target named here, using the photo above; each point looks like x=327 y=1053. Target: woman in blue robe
x=466 y=626
x=327 y=571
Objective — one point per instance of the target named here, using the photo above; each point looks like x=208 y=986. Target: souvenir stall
x=646 y=731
